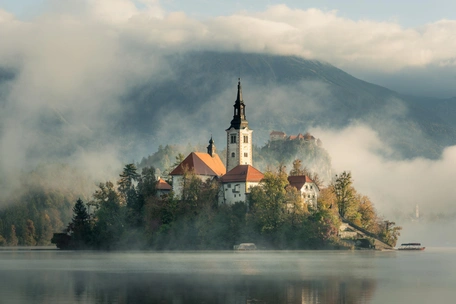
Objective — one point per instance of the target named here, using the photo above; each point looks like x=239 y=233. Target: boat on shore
x=411 y=246
x=245 y=247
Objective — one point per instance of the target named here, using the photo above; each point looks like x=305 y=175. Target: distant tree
x=2 y=241
x=296 y=208
x=105 y=193
x=324 y=227
x=327 y=198
x=127 y=177
x=146 y=189
x=191 y=190
x=178 y=160
x=389 y=232
x=297 y=168
x=147 y=182
x=268 y=202
x=126 y=185
x=368 y=215
x=316 y=179
x=80 y=227
x=46 y=230
x=13 y=241
x=109 y=217
x=345 y=194
x=30 y=234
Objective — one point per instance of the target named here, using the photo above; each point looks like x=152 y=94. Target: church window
x=233 y=138
x=233 y=155
x=246 y=139
x=246 y=154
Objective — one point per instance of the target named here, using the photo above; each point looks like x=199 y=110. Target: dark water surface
x=52 y=276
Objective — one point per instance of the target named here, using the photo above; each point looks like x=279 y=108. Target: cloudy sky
x=60 y=50
x=398 y=44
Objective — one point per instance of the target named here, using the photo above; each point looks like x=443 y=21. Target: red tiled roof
x=201 y=164
x=163 y=185
x=299 y=180
x=242 y=173
x=277 y=133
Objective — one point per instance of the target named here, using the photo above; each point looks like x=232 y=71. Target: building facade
x=308 y=188
x=235 y=185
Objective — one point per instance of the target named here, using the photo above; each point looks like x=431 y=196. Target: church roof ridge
x=242 y=173
x=202 y=164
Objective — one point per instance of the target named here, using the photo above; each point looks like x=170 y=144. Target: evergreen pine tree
x=80 y=226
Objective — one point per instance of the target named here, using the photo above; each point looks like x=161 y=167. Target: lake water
x=52 y=276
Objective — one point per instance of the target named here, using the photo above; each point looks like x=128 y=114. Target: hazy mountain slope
x=279 y=91
x=193 y=99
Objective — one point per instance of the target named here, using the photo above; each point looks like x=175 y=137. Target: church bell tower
x=239 y=136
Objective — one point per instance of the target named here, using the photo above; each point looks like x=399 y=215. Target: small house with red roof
x=162 y=187
x=236 y=184
x=203 y=165
x=308 y=188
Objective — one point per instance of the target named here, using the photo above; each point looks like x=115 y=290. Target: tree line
x=131 y=214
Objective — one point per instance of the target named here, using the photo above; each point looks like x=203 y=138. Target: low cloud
x=395 y=186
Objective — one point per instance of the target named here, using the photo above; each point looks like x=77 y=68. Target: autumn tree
x=368 y=215
x=29 y=233
x=13 y=241
x=345 y=194
x=45 y=229
x=268 y=202
x=298 y=169
x=389 y=232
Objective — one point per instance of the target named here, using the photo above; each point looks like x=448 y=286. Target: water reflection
x=101 y=287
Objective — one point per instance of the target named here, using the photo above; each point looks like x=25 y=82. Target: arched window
x=233 y=155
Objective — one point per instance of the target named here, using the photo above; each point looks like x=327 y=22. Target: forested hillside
x=42 y=204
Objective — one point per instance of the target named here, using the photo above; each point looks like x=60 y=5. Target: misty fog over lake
x=50 y=276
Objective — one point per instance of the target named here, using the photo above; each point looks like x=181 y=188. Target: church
x=241 y=175
x=238 y=176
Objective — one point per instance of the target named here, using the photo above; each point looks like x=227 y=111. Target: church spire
x=239 y=92
x=211 y=147
x=239 y=120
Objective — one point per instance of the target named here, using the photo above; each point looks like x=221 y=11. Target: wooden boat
x=245 y=247
x=411 y=246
